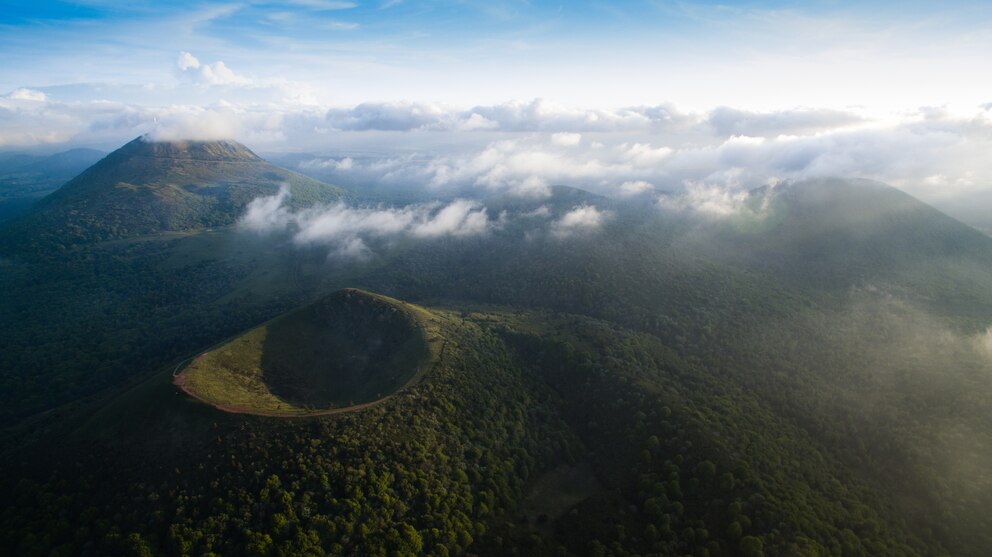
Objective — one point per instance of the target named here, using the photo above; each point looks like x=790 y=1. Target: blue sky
x=757 y=54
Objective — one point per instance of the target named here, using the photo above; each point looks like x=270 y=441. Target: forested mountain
x=147 y=187
x=807 y=373
x=834 y=234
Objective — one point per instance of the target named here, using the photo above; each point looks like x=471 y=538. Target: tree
x=752 y=546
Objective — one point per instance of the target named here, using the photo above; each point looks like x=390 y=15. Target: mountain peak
x=148 y=187
x=221 y=150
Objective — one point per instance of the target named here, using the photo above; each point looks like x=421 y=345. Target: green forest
x=666 y=386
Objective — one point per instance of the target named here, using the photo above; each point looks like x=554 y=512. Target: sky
x=513 y=94
x=753 y=55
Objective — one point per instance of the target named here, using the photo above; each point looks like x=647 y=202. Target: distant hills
x=63 y=164
x=147 y=187
x=26 y=178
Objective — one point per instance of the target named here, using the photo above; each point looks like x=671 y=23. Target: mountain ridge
x=217 y=150
x=148 y=187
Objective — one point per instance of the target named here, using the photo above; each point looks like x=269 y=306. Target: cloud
x=566 y=139
x=930 y=153
x=523 y=167
x=523 y=148
x=341 y=25
x=197 y=125
x=565 y=123
x=391 y=117
x=24 y=94
x=635 y=187
x=324 y=4
x=707 y=200
x=541 y=211
x=644 y=154
x=186 y=62
x=459 y=218
x=983 y=342
x=344 y=163
x=543 y=115
x=348 y=230
x=208 y=74
x=265 y=214
x=730 y=121
x=584 y=218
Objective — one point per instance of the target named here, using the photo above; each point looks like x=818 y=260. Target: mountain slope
x=832 y=235
x=149 y=187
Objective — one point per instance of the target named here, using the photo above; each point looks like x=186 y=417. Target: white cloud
x=584 y=218
x=200 y=125
x=635 y=187
x=266 y=214
x=208 y=74
x=709 y=200
x=477 y=122
x=730 y=121
x=983 y=342
x=543 y=115
x=352 y=248
x=524 y=167
x=523 y=148
x=345 y=163
x=565 y=123
x=338 y=223
x=347 y=230
x=643 y=154
x=187 y=61
x=566 y=139
x=460 y=218
x=931 y=154
x=392 y=117
x=531 y=186
x=24 y=94
x=541 y=211
x=324 y=4
x=341 y=25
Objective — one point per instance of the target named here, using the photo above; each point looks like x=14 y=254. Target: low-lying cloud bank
x=352 y=231
x=524 y=147
x=535 y=116
x=279 y=115
x=932 y=154
x=348 y=230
